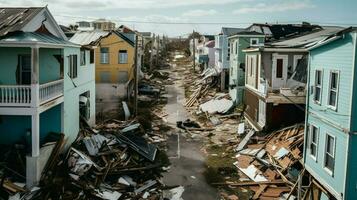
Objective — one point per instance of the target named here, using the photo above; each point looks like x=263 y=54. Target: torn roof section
x=85 y=38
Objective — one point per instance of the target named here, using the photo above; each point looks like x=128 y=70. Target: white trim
x=334 y=108
x=329 y=171
x=321 y=86
x=310 y=141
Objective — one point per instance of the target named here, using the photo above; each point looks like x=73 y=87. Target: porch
x=21 y=95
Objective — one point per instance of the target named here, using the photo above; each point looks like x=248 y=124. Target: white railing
x=50 y=91
x=15 y=95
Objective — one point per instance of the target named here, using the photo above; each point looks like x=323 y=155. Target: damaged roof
x=87 y=37
x=306 y=39
x=279 y=31
x=14 y=19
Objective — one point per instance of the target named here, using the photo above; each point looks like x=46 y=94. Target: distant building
x=104 y=25
x=331 y=126
x=46 y=84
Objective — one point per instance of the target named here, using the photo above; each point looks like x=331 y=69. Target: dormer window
x=254 y=42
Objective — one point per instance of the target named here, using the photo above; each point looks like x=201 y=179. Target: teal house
x=46 y=83
x=237 y=42
x=330 y=154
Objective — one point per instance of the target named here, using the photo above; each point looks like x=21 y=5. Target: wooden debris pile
x=271 y=164
x=114 y=161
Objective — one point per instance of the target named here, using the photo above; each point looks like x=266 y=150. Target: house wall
x=49 y=66
x=13 y=129
x=251 y=100
x=114 y=43
x=73 y=88
x=337 y=55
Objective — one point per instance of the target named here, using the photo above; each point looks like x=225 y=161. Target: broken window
x=254 y=42
x=104 y=55
x=333 y=89
x=330 y=153
x=279 y=68
x=72 y=71
x=314 y=134
x=318 y=86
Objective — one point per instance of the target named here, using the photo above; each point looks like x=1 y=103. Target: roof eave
x=320 y=44
x=36 y=44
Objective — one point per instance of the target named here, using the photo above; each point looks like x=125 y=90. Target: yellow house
x=114 y=61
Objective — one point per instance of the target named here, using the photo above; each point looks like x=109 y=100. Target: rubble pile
x=115 y=160
x=270 y=165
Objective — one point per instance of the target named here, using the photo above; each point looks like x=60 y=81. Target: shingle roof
x=87 y=37
x=129 y=37
x=14 y=19
x=229 y=31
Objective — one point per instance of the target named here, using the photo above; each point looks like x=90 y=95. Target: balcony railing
x=51 y=90
x=20 y=95
x=15 y=95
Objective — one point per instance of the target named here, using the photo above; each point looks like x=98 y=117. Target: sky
x=204 y=16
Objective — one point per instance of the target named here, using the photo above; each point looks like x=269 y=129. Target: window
x=25 y=69
x=91 y=56
x=279 y=68
x=83 y=57
x=105 y=77
x=254 y=42
x=123 y=56
x=313 y=141
x=318 y=86
x=333 y=89
x=330 y=153
x=104 y=55
x=72 y=71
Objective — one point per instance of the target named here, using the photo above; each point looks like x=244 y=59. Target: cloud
x=199 y=13
x=114 y=4
x=276 y=7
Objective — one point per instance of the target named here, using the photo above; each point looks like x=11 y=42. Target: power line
x=204 y=23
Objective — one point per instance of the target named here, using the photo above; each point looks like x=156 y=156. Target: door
x=262 y=113
x=280 y=71
x=25 y=69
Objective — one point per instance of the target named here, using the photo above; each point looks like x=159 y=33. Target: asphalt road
x=186 y=157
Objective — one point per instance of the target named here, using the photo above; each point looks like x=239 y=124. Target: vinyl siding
x=316 y=168
x=334 y=56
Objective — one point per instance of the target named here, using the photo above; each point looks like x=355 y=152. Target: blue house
x=331 y=121
x=46 y=83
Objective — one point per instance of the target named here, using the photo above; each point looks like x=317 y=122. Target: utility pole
x=151 y=51
x=136 y=83
x=157 y=50
x=194 y=51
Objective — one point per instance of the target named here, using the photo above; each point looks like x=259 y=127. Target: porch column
x=33 y=173
x=32 y=160
x=35 y=87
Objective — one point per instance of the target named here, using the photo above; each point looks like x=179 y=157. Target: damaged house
x=205 y=52
x=330 y=139
x=275 y=80
x=46 y=83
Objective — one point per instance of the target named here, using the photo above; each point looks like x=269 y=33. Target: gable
x=44 y=17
